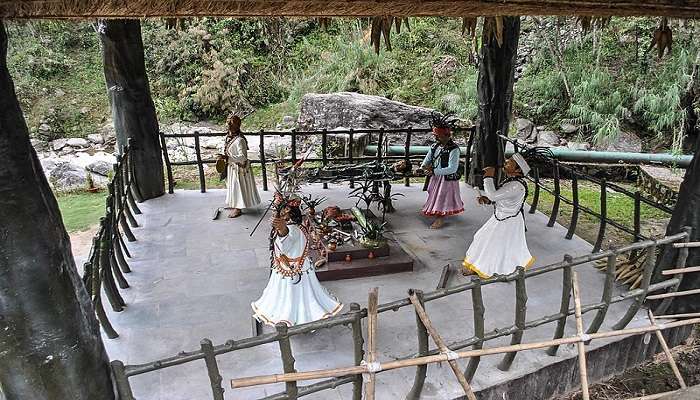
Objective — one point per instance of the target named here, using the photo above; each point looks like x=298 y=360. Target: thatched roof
x=455 y=8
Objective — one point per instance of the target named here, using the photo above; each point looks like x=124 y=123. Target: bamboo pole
x=653 y=396
x=677 y=316
x=441 y=344
x=580 y=345
x=371 y=341
x=664 y=346
x=686 y=244
x=673 y=294
x=680 y=271
x=412 y=362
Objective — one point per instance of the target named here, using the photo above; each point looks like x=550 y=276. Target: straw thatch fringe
x=327 y=8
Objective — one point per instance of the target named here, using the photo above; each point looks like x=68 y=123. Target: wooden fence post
x=200 y=165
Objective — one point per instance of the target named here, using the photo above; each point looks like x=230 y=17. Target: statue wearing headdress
x=293 y=294
x=441 y=165
x=500 y=246
x=241 y=191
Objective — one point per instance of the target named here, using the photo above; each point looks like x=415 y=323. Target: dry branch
x=581 y=346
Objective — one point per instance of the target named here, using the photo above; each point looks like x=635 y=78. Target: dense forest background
x=604 y=79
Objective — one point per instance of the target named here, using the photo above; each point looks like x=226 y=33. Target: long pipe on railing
x=671 y=160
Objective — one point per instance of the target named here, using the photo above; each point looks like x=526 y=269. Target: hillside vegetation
x=262 y=68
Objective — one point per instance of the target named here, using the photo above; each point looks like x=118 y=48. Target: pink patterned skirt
x=443 y=198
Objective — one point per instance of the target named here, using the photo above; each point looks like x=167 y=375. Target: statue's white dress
x=499 y=246
x=241 y=191
x=297 y=299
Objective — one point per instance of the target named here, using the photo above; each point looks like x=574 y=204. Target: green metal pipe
x=610 y=157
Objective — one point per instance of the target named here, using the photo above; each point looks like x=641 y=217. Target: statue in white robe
x=241 y=191
x=293 y=294
x=499 y=246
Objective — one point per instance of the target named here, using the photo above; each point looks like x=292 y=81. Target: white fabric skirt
x=241 y=191
x=295 y=303
x=499 y=247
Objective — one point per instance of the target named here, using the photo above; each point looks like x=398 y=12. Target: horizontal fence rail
x=325 y=159
x=355 y=316
x=106 y=265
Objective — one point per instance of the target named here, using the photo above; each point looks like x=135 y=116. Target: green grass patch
x=620 y=208
x=81 y=210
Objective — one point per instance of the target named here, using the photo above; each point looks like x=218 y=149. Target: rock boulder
x=77 y=142
x=100 y=167
x=66 y=176
x=624 y=142
x=547 y=139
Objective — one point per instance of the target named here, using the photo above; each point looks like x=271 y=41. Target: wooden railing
x=381 y=135
x=106 y=263
x=210 y=352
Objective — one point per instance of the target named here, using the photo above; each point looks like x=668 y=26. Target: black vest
x=444 y=156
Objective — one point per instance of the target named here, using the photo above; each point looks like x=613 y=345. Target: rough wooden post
x=407 y=154
x=324 y=152
x=294 y=146
x=423 y=348
x=579 y=345
x=119 y=255
x=126 y=178
x=607 y=294
x=520 y=314
x=287 y=359
x=121 y=196
x=637 y=215
x=358 y=348
x=212 y=369
x=135 y=190
x=372 y=304
x=564 y=307
x=603 y=216
x=557 y=195
x=351 y=138
x=646 y=279
x=263 y=164
x=574 y=213
x=479 y=309
x=200 y=165
x=166 y=159
x=536 y=195
x=119 y=217
x=110 y=288
x=122 y=381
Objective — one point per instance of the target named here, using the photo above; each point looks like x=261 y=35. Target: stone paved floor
x=194 y=278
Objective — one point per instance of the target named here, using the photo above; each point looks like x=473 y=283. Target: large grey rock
x=547 y=139
x=580 y=146
x=526 y=130
x=108 y=134
x=58 y=144
x=567 y=128
x=624 y=142
x=360 y=111
x=95 y=138
x=67 y=176
x=39 y=145
x=100 y=167
x=445 y=67
x=77 y=142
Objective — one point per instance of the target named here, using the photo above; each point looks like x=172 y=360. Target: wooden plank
x=358 y=343
x=372 y=304
x=441 y=345
x=581 y=347
x=564 y=305
x=674 y=294
x=680 y=271
x=423 y=347
x=444 y=277
x=678 y=316
x=688 y=244
x=667 y=351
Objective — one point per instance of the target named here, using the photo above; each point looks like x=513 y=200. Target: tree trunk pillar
x=495 y=94
x=133 y=111
x=50 y=345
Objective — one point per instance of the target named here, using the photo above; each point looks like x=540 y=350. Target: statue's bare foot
x=234 y=213
x=437 y=224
